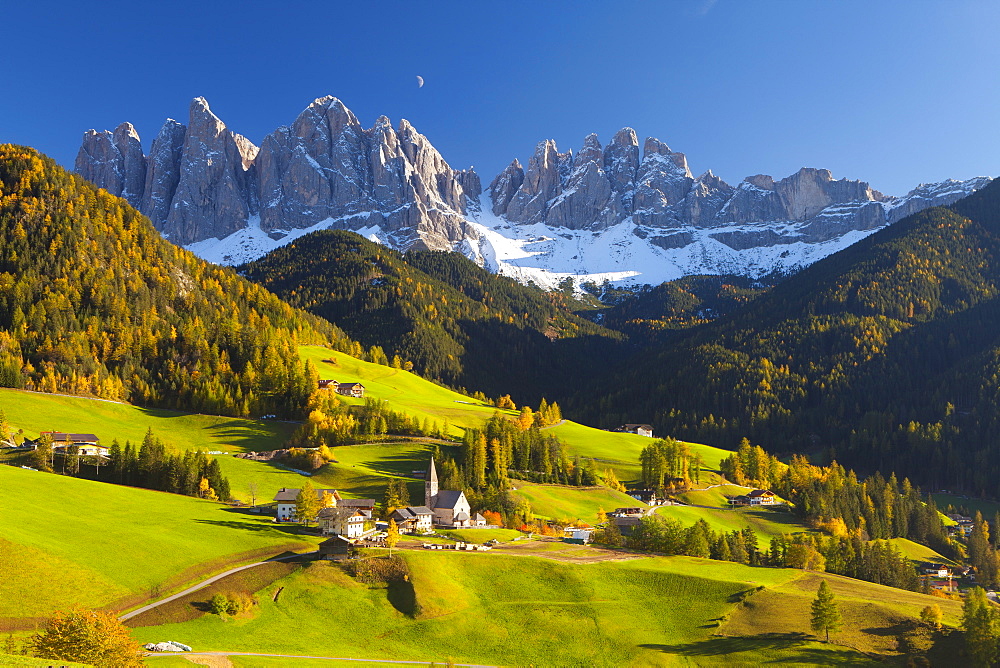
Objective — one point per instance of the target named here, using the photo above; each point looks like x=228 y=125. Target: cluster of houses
x=447 y=509
x=346 y=389
x=351 y=521
x=963 y=525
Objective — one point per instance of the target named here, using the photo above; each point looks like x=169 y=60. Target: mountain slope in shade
x=883 y=356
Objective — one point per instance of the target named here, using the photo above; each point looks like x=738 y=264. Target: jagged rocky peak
x=217 y=188
x=204 y=180
x=505 y=185
x=114 y=160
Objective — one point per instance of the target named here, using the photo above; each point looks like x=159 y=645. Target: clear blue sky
x=891 y=92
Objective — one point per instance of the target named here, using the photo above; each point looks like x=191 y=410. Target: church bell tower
x=431 y=486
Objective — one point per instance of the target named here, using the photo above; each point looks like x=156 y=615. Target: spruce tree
x=825 y=616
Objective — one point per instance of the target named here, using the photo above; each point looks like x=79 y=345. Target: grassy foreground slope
x=66 y=541
x=502 y=610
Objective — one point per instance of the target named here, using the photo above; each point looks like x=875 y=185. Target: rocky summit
x=204 y=182
x=605 y=213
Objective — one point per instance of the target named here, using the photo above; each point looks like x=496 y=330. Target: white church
x=450 y=507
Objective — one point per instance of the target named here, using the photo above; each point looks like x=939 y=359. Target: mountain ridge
x=607 y=213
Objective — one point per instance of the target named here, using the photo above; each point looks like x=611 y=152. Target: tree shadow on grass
x=260 y=527
x=766 y=643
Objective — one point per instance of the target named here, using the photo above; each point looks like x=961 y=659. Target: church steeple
x=431 y=486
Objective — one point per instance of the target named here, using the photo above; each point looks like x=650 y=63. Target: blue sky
x=894 y=93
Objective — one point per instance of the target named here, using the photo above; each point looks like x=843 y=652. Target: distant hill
x=93 y=301
x=883 y=356
x=455 y=321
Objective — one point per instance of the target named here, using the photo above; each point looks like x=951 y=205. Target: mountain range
x=606 y=213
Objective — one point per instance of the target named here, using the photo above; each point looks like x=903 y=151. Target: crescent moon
x=420 y=82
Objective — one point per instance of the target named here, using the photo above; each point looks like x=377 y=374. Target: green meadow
x=572 y=503
x=66 y=541
x=502 y=610
x=766 y=523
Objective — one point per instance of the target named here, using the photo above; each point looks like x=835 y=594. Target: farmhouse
x=627 y=512
x=413 y=519
x=335 y=549
x=640 y=429
x=357 y=504
x=328 y=384
x=351 y=389
x=647 y=496
x=626 y=525
x=761 y=497
x=346 y=522
x=285 y=500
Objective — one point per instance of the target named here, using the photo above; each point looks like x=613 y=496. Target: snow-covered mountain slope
x=629 y=254
x=607 y=213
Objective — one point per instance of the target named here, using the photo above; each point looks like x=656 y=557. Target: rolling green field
x=765 y=523
x=573 y=503
x=918 y=552
x=415 y=396
x=495 y=609
x=66 y=541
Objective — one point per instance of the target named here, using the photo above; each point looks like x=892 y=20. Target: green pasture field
x=918 y=552
x=494 y=609
x=407 y=392
x=872 y=614
x=766 y=523
x=572 y=503
x=988 y=508
x=66 y=541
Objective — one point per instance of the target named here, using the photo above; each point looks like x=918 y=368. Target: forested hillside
x=93 y=301
x=884 y=356
x=454 y=321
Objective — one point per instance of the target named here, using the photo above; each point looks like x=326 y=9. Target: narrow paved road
x=205 y=583
x=327 y=658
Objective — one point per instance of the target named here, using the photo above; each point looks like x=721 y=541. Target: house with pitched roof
x=285 y=501
x=351 y=389
x=413 y=519
x=346 y=522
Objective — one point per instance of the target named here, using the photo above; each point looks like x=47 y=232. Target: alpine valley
x=607 y=213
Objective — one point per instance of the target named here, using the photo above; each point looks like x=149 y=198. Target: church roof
x=449 y=498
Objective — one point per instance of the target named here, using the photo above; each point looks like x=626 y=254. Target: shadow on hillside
x=402 y=464
x=258 y=527
x=251 y=435
x=767 y=642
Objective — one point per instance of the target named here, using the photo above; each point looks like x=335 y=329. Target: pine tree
x=825 y=616
x=980 y=623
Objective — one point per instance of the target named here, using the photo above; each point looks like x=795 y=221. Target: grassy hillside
x=573 y=503
x=416 y=396
x=66 y=541
x=454 y=320
x=476 y=608
x=765 y=523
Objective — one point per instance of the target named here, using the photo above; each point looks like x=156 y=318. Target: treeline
x=751 y=466
x=876 y=561
x=881 y=356
x=455 y=321
x=154 y=465
x=505 y=448
x=835 y=499
x=93 y=301
x=668 y=464
x=331 y=422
